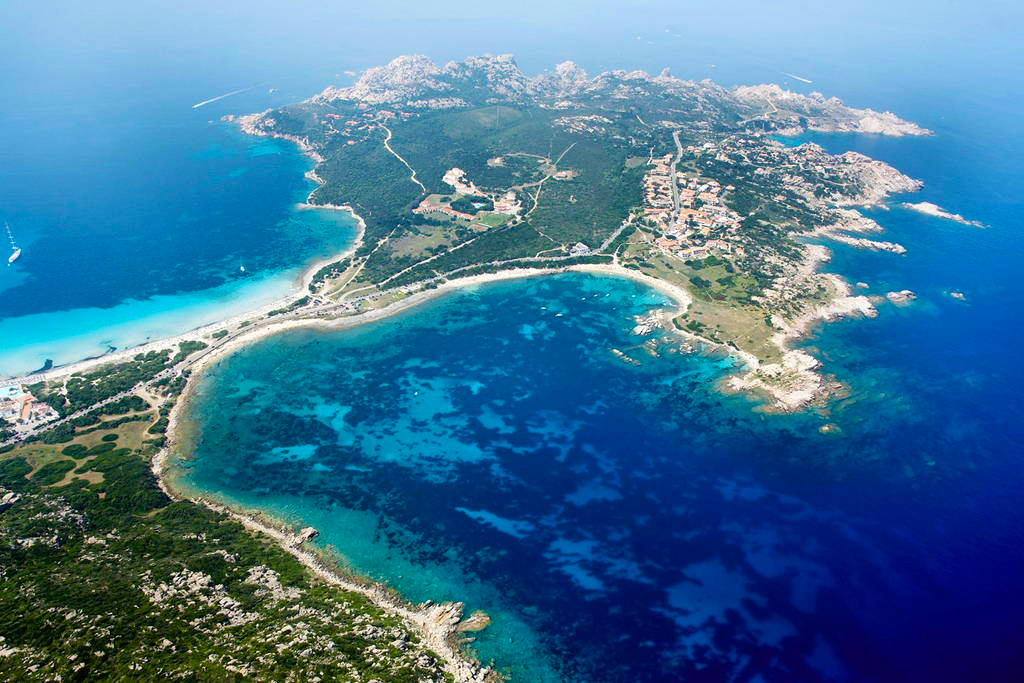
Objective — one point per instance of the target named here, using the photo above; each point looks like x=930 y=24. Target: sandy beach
x=300 y=289
x=437 y=624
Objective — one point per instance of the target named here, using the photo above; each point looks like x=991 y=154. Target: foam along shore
x=930 y=209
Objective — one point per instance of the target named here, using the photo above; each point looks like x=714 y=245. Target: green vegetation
x=52 y=472
x=579 y=162
x=101 y=576
x=186 y=348
x=585 y=209
x=105 y=578
x=86 y=389
x=328 y=271
x=75 y=450
x=472 y=204
x=299 y=303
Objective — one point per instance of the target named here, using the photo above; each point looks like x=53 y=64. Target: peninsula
x=473 y=168
x=458 y=174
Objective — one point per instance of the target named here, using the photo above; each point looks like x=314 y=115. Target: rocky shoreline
x=437 y=624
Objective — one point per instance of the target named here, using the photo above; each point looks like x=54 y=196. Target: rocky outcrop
x=416 y=81
x=500 y=75
x=864 y=243
x=8 y=500
x=815 y=112
x=403 y=78
x=850 y=220
x=904 y=296
x=476 y=621
x=937 y=211
x=876 y=179
x=566 y=80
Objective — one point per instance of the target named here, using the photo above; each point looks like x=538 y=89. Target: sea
x=619 y=520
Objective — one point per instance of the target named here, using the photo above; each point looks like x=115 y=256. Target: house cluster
x=456 y=177
x=431 y=205
x=336 y=124
x=696 y=223
x=658 y=192
x=21 y=410
x=508 y=204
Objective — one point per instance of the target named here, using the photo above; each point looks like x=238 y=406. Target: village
x=21 y=411
x=689 y=212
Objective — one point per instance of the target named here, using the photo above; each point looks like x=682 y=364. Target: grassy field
x=491 y=220
x=75 y=456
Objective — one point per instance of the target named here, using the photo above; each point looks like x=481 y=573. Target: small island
x=930 y=209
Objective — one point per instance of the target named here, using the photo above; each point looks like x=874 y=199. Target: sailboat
x=15 y=249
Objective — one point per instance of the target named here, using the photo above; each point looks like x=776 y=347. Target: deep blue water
x=136 y=223
x=627 y=522
x=631 y=523
x=619 y=522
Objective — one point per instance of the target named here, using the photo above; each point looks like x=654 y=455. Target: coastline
x=438 y=625
x=794 y=382
x=300 y=289
x=790 y=384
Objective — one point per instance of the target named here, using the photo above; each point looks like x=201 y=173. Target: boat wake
x=221 y=97
x=15 y=249
x=799 y=78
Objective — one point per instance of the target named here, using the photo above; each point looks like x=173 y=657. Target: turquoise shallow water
x=60 y=308
x=620 y=522
x=628 y=522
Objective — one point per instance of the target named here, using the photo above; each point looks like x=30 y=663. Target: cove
x=619 y=521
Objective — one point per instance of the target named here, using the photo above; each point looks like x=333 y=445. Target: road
x=412 y=171
x=672 y=175
x=309 y=311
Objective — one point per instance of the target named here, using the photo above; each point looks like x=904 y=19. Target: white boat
x=15 y=249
